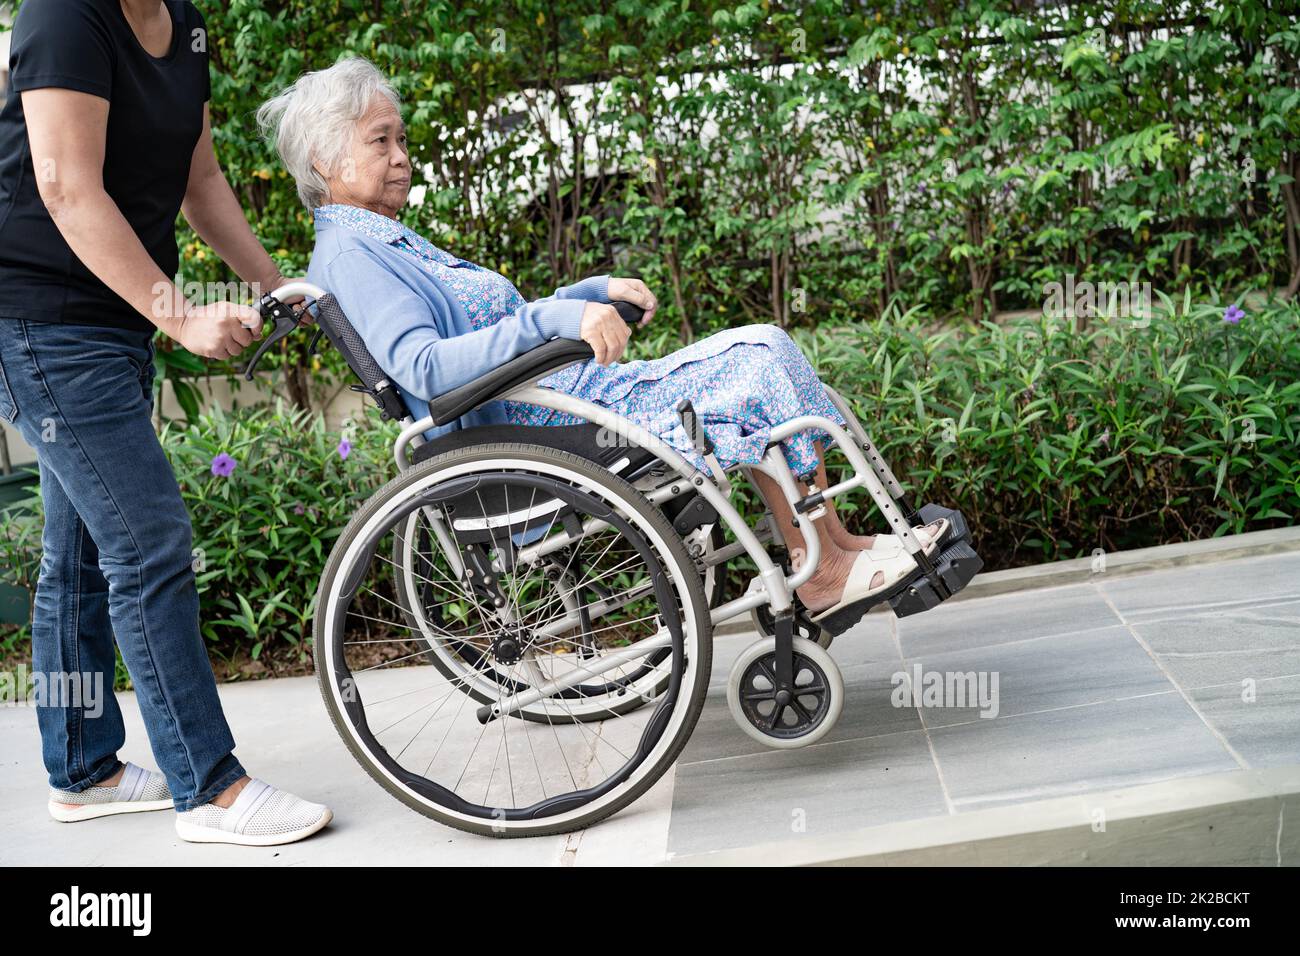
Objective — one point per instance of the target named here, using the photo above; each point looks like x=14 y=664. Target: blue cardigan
x=416 y=328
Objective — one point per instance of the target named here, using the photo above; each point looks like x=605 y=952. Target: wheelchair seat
x=585 y=440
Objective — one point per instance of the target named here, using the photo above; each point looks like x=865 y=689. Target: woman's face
x=376 y=173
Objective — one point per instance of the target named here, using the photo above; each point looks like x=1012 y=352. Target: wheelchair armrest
x=535 y=363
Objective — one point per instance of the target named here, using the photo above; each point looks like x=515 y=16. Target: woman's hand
x=219 y=331
x=636 y=292
x=604 y=329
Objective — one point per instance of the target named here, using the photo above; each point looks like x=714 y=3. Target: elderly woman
x=433 y=322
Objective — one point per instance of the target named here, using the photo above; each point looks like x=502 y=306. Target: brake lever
x=285 y=321
x=315 y=340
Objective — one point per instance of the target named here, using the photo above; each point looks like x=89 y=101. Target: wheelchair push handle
x=282 y=318
x=629 y=313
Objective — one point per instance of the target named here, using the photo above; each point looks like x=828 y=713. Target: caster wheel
x=804 y=626
x=806 y=716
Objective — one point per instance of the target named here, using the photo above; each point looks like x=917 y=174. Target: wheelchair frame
x=946 y=570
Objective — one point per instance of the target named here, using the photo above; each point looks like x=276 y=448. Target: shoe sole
x=194 y=833
x=90 y=811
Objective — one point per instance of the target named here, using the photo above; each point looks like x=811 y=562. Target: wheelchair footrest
x=956 y=565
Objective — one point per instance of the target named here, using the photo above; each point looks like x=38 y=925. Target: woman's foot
x=826 y=588
x=864 y=542
x=131 y=789
x=872 y=572
x=251 y=812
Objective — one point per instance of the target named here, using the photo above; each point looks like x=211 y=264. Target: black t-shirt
x=155 y=118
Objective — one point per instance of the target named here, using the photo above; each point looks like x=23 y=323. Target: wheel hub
x=508 y=649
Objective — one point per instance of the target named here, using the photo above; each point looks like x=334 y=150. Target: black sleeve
x=63 y=43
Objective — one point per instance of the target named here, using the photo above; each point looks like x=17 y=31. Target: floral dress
x=741 y=381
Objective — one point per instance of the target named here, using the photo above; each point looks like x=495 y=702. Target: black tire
x=670 y=551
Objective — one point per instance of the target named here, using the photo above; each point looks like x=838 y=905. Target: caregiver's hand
x=304 y=316
x=605 y=331
x=220 y=330
x=636 y=292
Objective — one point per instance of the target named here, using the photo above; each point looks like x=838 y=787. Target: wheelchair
x=513 y=636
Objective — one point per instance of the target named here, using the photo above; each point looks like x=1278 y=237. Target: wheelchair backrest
x=375 y=382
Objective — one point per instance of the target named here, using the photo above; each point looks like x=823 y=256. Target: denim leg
x=84 y=403
x=72 y=634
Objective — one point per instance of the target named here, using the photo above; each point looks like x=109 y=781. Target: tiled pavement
x=1109 y=684
x=1118 y=682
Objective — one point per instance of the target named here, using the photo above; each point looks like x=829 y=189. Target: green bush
x=1054 y=442
x=804 y=163
x=261 y=533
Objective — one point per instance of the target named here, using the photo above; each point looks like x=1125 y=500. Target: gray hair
x=311 y=123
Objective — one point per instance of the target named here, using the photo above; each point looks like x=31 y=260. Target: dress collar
x=364 y=221
x=388 y=231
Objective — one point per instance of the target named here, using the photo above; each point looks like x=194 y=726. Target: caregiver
x=105 y=136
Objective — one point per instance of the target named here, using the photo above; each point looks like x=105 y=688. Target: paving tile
x=1077 y=750
x=1203 y=650
x=1065 y=671
x=826 y=788
x=1265 y=731
x=1222 y=586
x=1003 y=618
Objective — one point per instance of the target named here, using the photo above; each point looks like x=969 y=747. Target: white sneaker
x=137 y=791
x=260 y=816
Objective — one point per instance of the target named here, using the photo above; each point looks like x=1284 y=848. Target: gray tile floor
x=1115 y=683
x=1118 y=682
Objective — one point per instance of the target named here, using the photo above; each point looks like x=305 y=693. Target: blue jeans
x=117 y=560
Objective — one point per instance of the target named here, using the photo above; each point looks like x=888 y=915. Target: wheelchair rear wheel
x=567 y=627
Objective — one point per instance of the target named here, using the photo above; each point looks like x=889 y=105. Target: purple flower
x=299 y=510
x=1006 y=189
x=223 y=465
x=923 y=188
x=1104 y=440
x=345 y=448
x=1232 y=315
